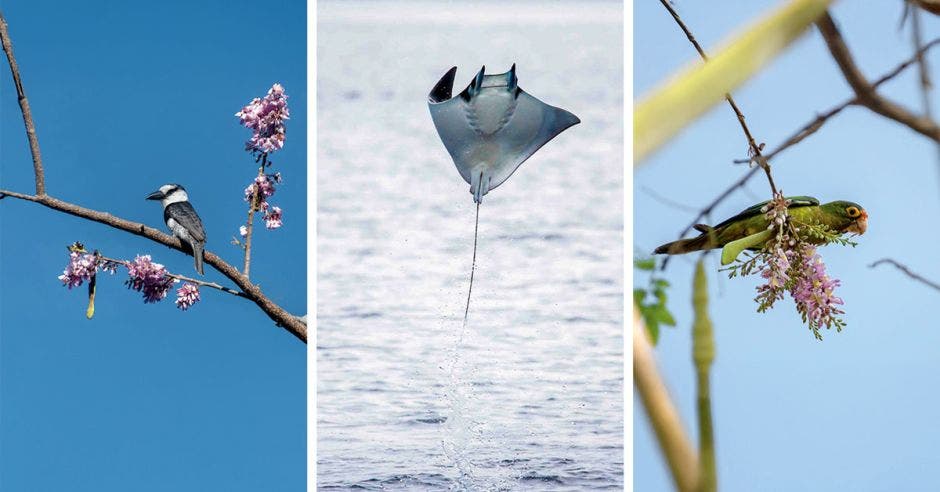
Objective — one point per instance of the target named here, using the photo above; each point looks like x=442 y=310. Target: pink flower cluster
x=148 y=277
x=187 y=295
x=814 y=291
x=272 y=218
x=80 y=269
x=264 y=186
x=266 y=117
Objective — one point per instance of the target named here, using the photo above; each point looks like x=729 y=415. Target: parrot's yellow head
x=849 y=216
x=858 y=216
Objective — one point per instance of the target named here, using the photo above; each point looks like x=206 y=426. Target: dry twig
x=907 y=271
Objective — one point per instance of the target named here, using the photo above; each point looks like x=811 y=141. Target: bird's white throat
x=174 y=197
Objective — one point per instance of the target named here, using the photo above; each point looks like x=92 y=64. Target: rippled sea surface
x=530 y=395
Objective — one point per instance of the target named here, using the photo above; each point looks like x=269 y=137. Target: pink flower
x=814 y=291
x=187 y=295
x=80 y=268
x=264 y=186
x=149 y=278
x=243 y=231
x=273 y=218
x=266 y=117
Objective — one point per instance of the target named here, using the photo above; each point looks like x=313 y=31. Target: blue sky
x=857 y=411
x=128 y=96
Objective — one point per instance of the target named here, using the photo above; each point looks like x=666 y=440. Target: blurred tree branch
x=865 y=92
x=279 y=315
x=662 y=413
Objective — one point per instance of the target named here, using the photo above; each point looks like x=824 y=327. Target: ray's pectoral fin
x=731 y=250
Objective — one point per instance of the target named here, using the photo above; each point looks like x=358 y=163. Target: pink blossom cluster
x=814 y=291
x=263 y=186
x=266 y=117
x=187 y=295
x=80 y=269
x=272 y=217
x=148 y=277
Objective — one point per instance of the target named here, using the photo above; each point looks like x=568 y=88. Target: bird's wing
x=795 y=202
x=185 y=215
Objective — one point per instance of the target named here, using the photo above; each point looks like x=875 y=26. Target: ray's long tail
x=473 y=267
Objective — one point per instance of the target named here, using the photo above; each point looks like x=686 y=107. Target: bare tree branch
x=907 y=271
x=24 y=108
x=251 y=291
x=866 y=94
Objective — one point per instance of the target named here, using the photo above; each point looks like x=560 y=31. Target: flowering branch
x=265 y=116
x=201 y=283
x=251 y=291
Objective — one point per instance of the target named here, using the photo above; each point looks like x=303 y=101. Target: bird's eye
x=853 y=212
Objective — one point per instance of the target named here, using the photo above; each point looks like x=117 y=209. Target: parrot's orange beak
x=860 y=225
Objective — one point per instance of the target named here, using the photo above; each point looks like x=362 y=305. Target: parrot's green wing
x=795 y=201
x=734 y=248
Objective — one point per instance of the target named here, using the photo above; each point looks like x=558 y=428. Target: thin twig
x=185 y=279
x=662 y=413
x=907 y=271
x=666 y=200
x=866 y=93
x=755 y=149
x=278 y=314
x=24 y=108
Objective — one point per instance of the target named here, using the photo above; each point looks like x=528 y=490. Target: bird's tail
x=197 y=256
x=704 y=241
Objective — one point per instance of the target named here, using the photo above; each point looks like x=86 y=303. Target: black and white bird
x=182 y=219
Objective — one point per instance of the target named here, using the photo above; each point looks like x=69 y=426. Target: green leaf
x=647 y=264
x=673 y=105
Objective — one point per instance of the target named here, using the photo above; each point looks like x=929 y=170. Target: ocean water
x=530 y=395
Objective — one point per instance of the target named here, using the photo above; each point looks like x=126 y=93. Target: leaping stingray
x=490 y=129
x=493 y=126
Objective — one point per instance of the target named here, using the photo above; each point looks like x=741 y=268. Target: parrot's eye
x=853 y=212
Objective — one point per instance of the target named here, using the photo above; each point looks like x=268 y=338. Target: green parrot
x=749 y=229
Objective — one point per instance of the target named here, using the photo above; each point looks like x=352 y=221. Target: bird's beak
x=860 y=225
x=157 y=195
